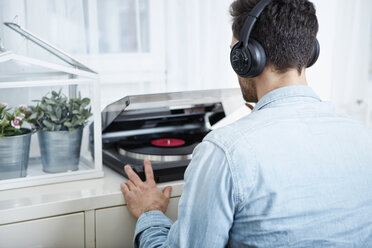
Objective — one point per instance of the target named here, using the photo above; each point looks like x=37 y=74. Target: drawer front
x=62 y=231
x=115 y=226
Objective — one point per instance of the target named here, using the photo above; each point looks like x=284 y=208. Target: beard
x=248 y=88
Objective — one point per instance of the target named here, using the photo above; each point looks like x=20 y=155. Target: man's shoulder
x=229 y=135
x=258 y=124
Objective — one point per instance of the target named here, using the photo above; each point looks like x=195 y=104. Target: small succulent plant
x=11 y=123
x=55 y=112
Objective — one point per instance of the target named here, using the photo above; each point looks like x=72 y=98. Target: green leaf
x=47 y=124
x=86 y=101
x=53 y=118
x=50 y=101
x=33 y=116
x=49 y=108
x=67 y=124
x=43 y=106
x=58 y=112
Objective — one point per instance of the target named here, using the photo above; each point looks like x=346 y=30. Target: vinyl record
x=164 y=149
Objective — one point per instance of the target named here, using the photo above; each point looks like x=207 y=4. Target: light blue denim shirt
x=293 y=173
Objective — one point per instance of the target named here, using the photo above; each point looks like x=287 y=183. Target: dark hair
x=286 y=29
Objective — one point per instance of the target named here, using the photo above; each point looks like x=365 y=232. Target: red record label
x=168 y=142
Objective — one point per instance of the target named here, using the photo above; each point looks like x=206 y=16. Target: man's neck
x=270 y=80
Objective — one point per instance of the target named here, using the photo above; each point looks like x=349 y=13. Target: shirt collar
x=292 y=91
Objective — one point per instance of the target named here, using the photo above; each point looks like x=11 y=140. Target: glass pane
x=13 y=70
x=144 y=21
x=60 y=23
x=61 y=55
x=118 y=27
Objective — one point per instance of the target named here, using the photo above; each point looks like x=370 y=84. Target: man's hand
x=143 y=197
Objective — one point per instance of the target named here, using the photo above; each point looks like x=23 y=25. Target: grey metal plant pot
x=14 y=154
x=60 y=150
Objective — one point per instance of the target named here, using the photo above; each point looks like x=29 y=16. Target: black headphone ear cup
x=315 y=54
x=249 y=62
x=240 y=60
x=258 y=58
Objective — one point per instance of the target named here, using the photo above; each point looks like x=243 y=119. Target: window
x=122 y=25
x=126 y=45
x=126 y=39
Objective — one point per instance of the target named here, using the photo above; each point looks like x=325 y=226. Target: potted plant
x=60 y=122
x=14 y=141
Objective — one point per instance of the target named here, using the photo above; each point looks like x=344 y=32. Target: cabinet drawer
x=115 y=226
x=62 y=231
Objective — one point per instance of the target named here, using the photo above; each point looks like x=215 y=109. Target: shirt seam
x=254 y=171
x=255 y=166
x=229 y=161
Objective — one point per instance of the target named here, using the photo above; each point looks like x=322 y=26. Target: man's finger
x=132 y=175
x=124 y=188
x=130 y=185
x=148 y=170
x=167 y=191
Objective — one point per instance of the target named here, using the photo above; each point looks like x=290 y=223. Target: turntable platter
x=159 y=150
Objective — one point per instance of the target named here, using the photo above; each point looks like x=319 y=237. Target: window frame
x=129 y=67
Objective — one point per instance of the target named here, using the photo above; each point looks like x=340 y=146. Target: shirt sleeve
x=206 y=208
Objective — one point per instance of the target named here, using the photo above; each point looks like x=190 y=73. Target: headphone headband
x=247 y=56
x=251 y=20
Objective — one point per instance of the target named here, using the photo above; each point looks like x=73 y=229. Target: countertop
x=70 y=197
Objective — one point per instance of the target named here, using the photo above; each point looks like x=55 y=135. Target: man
x=293 y=173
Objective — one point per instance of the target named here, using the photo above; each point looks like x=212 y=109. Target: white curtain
x=198 y=39
x=345 y=32
x=341 y=74
x=352 y=51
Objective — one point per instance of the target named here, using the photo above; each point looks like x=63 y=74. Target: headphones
x=247 y=56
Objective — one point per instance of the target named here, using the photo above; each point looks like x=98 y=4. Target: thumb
x=167 y=191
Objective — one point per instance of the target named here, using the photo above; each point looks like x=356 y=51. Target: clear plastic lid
x=175 y=100
x=48 y=47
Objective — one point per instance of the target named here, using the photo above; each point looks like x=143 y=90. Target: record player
x=164 y=128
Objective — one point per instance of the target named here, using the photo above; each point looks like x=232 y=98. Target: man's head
x=286 y=29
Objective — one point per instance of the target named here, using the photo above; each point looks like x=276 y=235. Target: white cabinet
x=62 y=231
x=115 y=226
x=87 y=213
